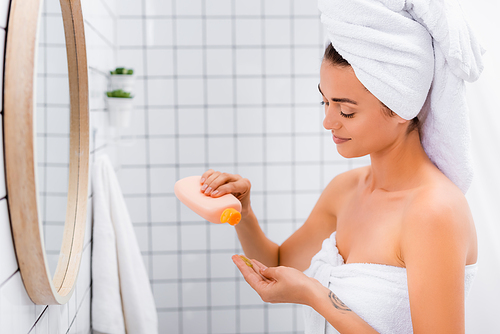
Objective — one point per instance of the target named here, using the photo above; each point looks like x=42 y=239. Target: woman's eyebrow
x=344 y=100
x=339 y=100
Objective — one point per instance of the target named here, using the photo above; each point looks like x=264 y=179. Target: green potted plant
x=120 y=107
x=122 y=78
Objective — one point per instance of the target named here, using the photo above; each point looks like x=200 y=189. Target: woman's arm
x=253 y=240
x=435 y=241
x=298 y=250
x=289 y=285
x=339 y=315
x=301 y=246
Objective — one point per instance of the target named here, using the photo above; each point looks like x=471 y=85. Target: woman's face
x=354 y=116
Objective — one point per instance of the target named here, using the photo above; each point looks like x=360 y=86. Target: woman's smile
x=340 y=140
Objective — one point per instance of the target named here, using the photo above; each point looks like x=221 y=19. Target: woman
x=390 y=247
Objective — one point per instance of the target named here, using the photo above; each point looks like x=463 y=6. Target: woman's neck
x=398 y=166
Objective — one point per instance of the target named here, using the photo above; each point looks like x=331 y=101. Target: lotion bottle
x=219 y=210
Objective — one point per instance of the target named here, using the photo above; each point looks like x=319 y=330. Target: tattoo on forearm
x=338 y=303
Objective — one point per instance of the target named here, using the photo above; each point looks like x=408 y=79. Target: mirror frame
x=20 y=154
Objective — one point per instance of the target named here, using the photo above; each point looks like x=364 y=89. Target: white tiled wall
x=230 y=85
x=17 y=313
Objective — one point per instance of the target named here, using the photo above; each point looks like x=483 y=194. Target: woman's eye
x=346 y=115
x=323 y=103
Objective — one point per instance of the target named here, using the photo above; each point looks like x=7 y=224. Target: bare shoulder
x=348 y=180
x=340 y=188
x=439 y=215
x=442 y=202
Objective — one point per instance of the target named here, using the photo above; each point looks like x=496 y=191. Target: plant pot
x=123 y=81
x=120 y=111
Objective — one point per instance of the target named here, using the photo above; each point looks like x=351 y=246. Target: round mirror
x=52 y=114
x=46 y=138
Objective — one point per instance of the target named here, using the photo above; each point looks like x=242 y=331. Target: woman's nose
x=330 y=122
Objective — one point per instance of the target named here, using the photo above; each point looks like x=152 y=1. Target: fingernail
x=215 y=192
x=202 y=180
x=209 y=189
x=204 y=187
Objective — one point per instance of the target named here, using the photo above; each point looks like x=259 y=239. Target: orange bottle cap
x=231 y=216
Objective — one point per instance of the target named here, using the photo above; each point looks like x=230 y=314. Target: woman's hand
x=278 y=284
x=216 y=184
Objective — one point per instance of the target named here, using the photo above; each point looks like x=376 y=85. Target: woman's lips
x=339 y=140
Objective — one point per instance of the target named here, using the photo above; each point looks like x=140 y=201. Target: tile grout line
x=89 y=288
x=177 y=159
x=38 y=318
x=150 y=262
x=264 y=139
x=206 y=162
x=235 y=162
x=294 y=138
x=9 y=278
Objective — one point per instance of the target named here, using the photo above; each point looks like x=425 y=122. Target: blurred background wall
x=483 y=303
x=229 y=85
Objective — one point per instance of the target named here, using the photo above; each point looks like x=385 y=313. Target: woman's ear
x=400 y=119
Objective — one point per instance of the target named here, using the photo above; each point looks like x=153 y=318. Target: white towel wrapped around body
x=122 y=300
x=377 y=293
x=414 y=56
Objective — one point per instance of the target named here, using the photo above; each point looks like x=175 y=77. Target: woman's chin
x=349 y=154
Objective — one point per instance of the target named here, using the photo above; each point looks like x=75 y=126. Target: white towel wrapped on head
x=414 y=56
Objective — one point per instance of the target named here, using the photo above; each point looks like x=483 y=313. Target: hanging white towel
x=122 y=300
